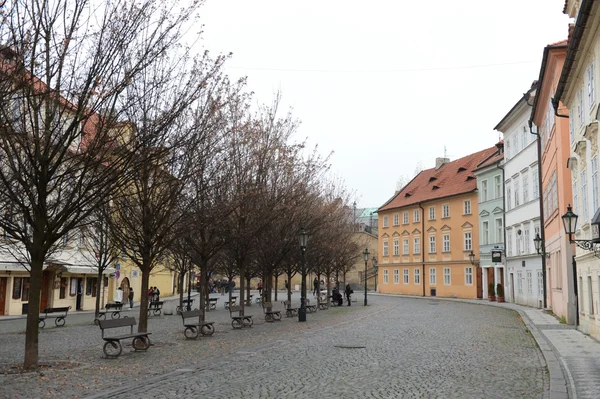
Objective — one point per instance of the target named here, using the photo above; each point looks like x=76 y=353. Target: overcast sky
x=386 y=84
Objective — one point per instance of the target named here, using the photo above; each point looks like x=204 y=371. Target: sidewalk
x=573 y=358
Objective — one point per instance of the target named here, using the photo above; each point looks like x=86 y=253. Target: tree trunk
x=33 y=314
x=180 y=286
x=242 y=286
x=143 y=321
x=98 y=291
x=248 y=290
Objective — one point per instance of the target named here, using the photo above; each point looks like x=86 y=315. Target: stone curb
x=558 y=381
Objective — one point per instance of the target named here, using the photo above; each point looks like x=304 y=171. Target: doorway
x=125 y=287
x=479 y=282
x=512 y=287
x=3 y=282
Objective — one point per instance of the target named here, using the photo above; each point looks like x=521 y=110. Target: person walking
x=348 y=292
x=259 y=287
x=315 y=286
x=119 y=295
x=130 y=298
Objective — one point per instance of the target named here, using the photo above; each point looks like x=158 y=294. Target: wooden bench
x=239 y=321
x=310 y=308
x=233 y=302
x=336 y=302
x=270 y=314
x=289 y=310
x=114 y=308
x=112 y=345
x=58 y=314
x=184 y=305
x=212 y=303
x=323 y=304
x=155 y=308
x=193 y=326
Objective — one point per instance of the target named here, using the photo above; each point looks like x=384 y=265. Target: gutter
x=573 y=47
x=504 y=228
x=422 y=245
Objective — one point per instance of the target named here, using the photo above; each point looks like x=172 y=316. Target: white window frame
x=417 y=276
x=529 y=282
x=484 y=190
x=432 y=276
x=446 y=243
x=396 y=276
x=595 y=202
x=525 y=178
x=416 y=216
x=498 y=186
x=432 y=247
x=405 y=276
x=467 y=207
x=432 y=213
x=386 y=249
x=536 y=184
x=416 y=245
x=396 y=246
x=485 y=232
x=405 y=246
x=386 y=277
x=468 y=240
x=499 y=230
x=447 y=276
x=468 y=275
x=590 y=83
x=445 y=211
x=385 y=221
x=396 y=219
x=405 y=217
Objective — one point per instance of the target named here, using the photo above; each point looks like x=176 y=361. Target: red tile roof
x=451 y=179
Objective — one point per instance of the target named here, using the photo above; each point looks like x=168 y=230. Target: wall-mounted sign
x=496 y=256
x=135 y=273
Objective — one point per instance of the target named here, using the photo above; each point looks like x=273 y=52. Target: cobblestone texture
x=412 y=349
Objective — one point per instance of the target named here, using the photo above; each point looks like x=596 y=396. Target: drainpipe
x=541 y=198
x=423 y=246
x=504 y=228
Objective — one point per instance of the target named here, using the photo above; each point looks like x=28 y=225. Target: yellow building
x=429 y=228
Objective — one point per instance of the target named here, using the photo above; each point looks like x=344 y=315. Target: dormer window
x=461 y=169
x=435 y=187
x=407 y=195
x=469 y=178
x=432 y=178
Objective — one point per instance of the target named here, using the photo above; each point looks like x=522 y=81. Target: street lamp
x=366 y=255
x=374 y=260
x=303 y=242
x=472 y=259
x=570 y=224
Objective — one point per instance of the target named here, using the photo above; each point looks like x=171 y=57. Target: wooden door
x=3 y=281
x=479 y=283
x=46 y=279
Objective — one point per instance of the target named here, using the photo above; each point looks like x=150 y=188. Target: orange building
x=429 y=228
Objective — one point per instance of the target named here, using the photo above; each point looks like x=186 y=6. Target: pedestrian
x=259 y=286
x=156 y=294
x=315 y=286
x=130 y=298
x=119 y=295
x=286 y=285
x=348 y=292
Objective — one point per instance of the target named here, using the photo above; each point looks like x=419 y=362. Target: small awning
x=12 y=267
x=76 y=269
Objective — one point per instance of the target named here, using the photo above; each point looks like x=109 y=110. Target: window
x=484 y=191
x=508 y=198
x=468 y=241
x=524 y=137
x=405 y=276
x=525 y=179
x=580 y=107
x=584 y=205
x=536 y=184
x=446 y=276
x=396 y=219
x=518 y=242
x=431 y=212
x=432 y=276
x=446 y=242
x=485 y=233
x=571 y=124
x=540 y=279
x=417 y=245
x=520 y=282
x=73 y=286
x=416 y=216
x=507 y=149
x=509 y=243
x=405 y=250
x=575 y=198
x=396 y=276
x=445 y=211
x=396 y=247
x=17 y=287
x=417 y=276
x=595 y=183
x=498 y=184
x=405 y=218
x=63 y=287
x=526 y=240
x=431 y=244
x=385 y=248
x=385 y=221
x=529 y=283
x=517 y=192
x=499 y=230
x=386 y=277
x=91 y=286
x=468 y=276
x=467 y=207
x=590 y=85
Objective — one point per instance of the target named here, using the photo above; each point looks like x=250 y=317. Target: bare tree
x=63 y=69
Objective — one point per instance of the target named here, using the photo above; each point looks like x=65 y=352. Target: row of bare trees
x=109 y=126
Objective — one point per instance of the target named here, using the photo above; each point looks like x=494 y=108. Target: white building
x=524 y=284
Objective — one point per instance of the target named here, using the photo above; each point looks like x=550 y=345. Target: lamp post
x=374 y=260
x=303 y=242
x=366 y=255
x=472 y=259
x=540 y=248
x=570 y=224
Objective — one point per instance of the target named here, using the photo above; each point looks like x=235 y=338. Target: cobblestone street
x=395 y=347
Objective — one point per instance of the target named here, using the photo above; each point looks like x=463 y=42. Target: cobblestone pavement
x=395 y=347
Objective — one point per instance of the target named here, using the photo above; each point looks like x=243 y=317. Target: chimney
x=441 y=161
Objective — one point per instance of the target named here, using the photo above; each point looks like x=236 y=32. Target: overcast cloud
x=387 y=84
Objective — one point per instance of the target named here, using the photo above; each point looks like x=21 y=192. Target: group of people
x=119 y=296
x=153 y=294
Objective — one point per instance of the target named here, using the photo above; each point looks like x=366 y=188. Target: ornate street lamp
x=570 y=224
x=366 y=255
x=303 y=242
x=374 y=260
x=472 y=259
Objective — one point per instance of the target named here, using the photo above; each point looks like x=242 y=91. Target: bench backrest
x=113 y=306
x=267 y=306
x=213 y=299
x=287 y=304
x=116 y=323
x=235 y=309
x=57 y=310
x=192 y=313
x=157 y=304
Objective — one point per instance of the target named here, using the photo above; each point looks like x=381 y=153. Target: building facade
x=576 y=96
x=428 y=229
x=524 y=268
